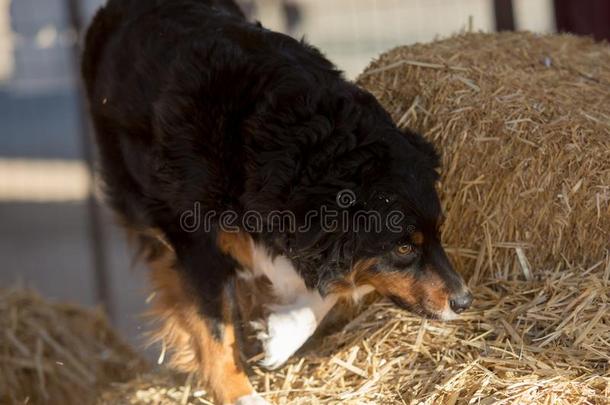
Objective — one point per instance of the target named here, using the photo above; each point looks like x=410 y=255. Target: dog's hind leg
x=197 y=329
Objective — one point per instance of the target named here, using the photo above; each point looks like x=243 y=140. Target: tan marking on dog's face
x=435 y=292
x=425 y=294
x=358 y=277
x=395 y=284
x=417 y=238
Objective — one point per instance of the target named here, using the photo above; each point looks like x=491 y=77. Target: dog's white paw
x=252 y=399
x=285 y=332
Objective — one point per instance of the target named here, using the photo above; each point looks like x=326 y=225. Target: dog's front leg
x=288 y=326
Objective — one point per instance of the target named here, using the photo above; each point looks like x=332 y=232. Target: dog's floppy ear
x=423 y=146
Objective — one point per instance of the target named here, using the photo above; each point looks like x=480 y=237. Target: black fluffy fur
x=192 y=103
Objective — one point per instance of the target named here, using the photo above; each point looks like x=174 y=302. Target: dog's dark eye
x=404 y=250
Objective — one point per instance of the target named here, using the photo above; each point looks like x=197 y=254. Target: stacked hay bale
x=523 y=122
x=56 y=353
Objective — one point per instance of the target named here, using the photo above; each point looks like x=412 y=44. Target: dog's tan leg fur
x=190 y=343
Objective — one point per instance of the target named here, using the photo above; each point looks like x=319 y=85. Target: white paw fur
x=285 y=332
x=298 y=311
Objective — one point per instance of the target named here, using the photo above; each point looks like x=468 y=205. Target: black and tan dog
x=198 y=111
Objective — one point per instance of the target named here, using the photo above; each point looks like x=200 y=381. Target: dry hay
x=527 y=342
x=523 y=122
x=54 y=353
x=524 y=125
x=159 y=387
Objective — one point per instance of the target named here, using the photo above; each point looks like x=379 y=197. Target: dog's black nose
x=460 y=302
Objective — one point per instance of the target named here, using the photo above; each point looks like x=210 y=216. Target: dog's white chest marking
x=296 y=315
x=288 y=285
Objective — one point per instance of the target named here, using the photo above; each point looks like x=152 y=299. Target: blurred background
x=56 y=237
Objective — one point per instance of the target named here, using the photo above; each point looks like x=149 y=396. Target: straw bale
x=526 y=342
x=53 y=353
x=523 y=123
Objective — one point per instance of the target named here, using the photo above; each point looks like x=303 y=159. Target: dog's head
x=387 y=235
x=412 y=270
x=363 y=195
x=407 y=263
